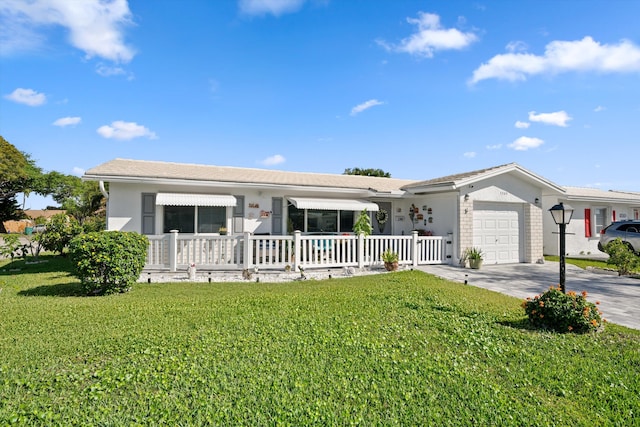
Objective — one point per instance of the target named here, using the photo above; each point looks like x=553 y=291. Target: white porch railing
x=177 y=252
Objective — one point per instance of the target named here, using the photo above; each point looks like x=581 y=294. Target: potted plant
x=222 y=231
x=390 y=260
x=363 y=224
x=474 y=256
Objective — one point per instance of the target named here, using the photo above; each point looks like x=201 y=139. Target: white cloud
x=27 y=96
x=109 y=71
x=365 y=106
x=430 y=37
x=125 y=130
x=560 y=57
x=559 y=118
x=522 y=125
x=469 y=154
x=494 y=147
x=67 y=121
x=78 y=171
x=516 y=46
x=273 y=160
x=274 y=7
x=524 y=143
x=95 y=26
x=599 y=108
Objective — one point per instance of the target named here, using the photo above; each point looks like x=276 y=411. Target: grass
x=393 y=349
x=580 y=262
x=584 y=262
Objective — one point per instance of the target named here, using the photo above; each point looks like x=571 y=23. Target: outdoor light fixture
x=561 y=214
x=466 y=197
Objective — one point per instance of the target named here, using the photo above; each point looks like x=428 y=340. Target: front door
x=382 y=219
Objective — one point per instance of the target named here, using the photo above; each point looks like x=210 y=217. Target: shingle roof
x=587 y=193
x=456 y=177
x=133 y=169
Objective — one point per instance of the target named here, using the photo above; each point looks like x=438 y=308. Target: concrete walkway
x=619 y=296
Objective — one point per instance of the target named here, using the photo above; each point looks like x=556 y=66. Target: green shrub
x=94 y=223
x=59 y=232
x=10 y=246
x=622 y=256
x=560 y=312
x=363 y=224
x=107 y=262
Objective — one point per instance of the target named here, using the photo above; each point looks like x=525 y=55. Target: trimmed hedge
x=108 y=262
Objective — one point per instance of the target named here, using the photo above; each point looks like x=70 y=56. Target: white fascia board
x=528 y=176
x=227 y=184
x=602 y=199
x=434 y=188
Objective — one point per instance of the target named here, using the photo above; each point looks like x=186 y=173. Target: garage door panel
x=503 y=240
x=497 y=232
x=504 y=224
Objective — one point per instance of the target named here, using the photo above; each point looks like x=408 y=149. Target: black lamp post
x=561 y=214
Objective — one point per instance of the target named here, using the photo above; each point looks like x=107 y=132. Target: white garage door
x=497 y=230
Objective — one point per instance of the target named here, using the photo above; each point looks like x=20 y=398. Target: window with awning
x=190 y=199
x=313 y=215
x=189 y=213
x=333 y=204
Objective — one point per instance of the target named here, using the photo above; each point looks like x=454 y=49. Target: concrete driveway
x=619 y=296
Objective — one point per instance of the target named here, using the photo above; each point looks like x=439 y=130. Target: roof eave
x=528 y=175
x=227 y=184
x=602 y=199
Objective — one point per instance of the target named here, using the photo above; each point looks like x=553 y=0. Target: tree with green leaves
x=367 y=172
x=59 y=231
x=78 y=198
x=18 y=174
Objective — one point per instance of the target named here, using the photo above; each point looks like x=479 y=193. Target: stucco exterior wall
x=577 y=242
x=504 y=189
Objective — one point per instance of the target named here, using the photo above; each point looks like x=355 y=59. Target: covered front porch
x=174 y=251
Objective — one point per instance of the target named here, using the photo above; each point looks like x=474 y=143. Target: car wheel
x=630 y=246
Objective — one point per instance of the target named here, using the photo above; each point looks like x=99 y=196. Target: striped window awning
x=333 y=204
x=186 y=199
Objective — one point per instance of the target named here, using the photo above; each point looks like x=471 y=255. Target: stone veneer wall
x=533 y=233
x=465 y=225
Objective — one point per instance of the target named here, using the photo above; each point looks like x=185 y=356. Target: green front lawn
x=583 y=262
x=392 y=349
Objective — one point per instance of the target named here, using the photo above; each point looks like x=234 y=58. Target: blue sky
x=420 y=89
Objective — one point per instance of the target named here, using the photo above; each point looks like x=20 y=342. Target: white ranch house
x=593 y=210
x=274 y=219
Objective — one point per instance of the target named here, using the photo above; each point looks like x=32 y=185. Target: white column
x=248 y=250
x=173 y=250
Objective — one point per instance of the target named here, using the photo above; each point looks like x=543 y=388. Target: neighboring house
x=42 y=213
x=497 y=209
x=593 y=210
